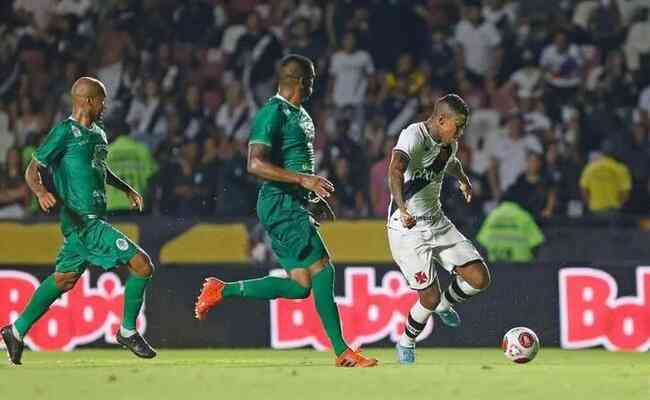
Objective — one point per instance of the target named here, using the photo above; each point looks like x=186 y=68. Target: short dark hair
x=304 y=62
x=457 y=105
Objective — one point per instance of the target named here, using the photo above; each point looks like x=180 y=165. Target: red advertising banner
x=592 y=314
x=369 y=312
x=81 y=316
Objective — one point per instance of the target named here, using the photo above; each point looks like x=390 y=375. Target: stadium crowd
x=560 y=96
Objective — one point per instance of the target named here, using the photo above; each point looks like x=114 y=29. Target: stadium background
x=184 y=78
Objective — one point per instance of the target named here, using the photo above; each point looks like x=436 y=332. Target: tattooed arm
x=398 y=164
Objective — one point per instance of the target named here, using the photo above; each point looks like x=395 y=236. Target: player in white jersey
x=419 y=233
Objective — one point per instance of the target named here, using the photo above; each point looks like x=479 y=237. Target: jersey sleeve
x=266 y=125
x=408 y=141
x=52 y=147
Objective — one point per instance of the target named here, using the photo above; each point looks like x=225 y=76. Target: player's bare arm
x=260 y=165
x=398 y=164
x=136 y=199
x=455 y=169
x=33 y=178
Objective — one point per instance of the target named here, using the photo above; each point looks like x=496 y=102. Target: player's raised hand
x=407 y=219
x=136 y=200
x=466 y=188
x=317 y=184
x=46 y=200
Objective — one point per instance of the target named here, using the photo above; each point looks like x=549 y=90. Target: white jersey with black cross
x=423 y=177
x=434 y=240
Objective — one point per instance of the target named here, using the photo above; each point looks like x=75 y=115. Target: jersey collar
x=278 y=96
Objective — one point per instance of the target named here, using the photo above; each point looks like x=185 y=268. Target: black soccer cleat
x=136 y=344
x=14 y=346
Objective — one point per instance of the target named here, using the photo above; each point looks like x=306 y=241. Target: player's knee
x=481 y=279
x=429 y=298
x=65 y=281
x=303 y=278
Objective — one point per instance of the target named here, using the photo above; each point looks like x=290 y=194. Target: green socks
x=323 y=286
x=45 y=295
x=267 y=288
x=271 y=287
x=133 y=298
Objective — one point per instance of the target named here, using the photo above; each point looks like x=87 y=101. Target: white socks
x=415 y=324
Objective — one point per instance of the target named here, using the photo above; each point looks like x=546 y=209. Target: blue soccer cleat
x=405 y=355
x=449 y=317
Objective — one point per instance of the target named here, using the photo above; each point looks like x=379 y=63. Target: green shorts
x=295 y=239
x=96 y=243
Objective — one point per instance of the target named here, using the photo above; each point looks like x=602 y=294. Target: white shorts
x=417 y=252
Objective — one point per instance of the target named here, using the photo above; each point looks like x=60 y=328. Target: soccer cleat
x=351 y=358
x=210 y=296
x=449 y=317
x=137 y=344
x=14 y=346
x=405 y=355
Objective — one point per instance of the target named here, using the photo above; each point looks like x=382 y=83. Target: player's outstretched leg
x=428 y=299
x=267 y=288
x=322 y=281
x=468 y=280
x=47 y=292
x=141 y=269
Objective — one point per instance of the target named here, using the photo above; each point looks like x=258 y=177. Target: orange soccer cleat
x=210 y=296
x=351 y=358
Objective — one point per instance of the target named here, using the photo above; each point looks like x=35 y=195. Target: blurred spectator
x=192 y=109
x=193 y=20
x=562 y=63
x=406 y=74
x=563 y=174
x=350 y=69
x=186 y=184
x=30 y=121
x=637 y=43
x=509 y=233
x=478 y=44
x=502 y=14
x=131 y=161
x=7 y=139
x=509 y=153
x=146 y=115
x=302 y=41
x=533 y=190
x=605 y=25
x=613 y=81
x=348 y=200
x=237 y=189
x=605 y=182
x=527 y=80
x=379 y=192
x=254 y=58
x=234 y=114
x=14 y=193
x=441 y=59
x=636 y=155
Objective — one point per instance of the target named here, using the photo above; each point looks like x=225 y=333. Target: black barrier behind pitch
x=520 y=294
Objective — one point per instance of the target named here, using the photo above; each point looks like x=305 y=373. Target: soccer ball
x=520 y=345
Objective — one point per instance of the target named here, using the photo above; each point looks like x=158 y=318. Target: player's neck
x=291 y=96
x=82 y=119
x=432 y=131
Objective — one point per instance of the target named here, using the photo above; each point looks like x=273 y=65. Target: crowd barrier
x=572 y=306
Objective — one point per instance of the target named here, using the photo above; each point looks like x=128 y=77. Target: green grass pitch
x=215 y=374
